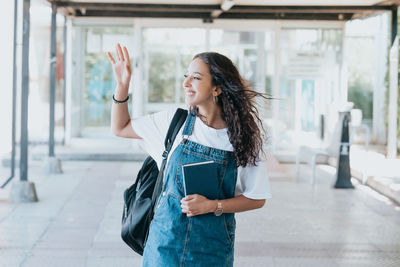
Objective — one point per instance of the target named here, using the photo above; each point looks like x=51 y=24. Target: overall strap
x=176 y=124
x=188 y=130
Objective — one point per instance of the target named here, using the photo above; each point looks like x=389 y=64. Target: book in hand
x=200 y=178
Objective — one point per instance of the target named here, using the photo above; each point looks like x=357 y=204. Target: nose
x=187 y=81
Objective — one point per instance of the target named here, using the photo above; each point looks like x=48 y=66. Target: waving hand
x=121 y=66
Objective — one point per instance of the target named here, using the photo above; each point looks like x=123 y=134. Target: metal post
x=53 y=62
x=322 y=126
x=64 y=72
x=52 y=164
x=393 y=89
x=25 y=92
x=23 y=190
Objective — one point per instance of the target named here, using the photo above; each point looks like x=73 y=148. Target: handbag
x=140 y=198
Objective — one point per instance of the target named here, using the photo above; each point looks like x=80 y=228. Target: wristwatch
x=219 y=210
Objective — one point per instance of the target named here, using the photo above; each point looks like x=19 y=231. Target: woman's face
x=198 y=85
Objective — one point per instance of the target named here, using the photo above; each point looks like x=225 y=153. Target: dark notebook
x=201 y=178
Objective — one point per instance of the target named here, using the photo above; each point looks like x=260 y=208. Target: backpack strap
x=176 y=124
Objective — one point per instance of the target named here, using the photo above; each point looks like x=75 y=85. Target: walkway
x=77 y=222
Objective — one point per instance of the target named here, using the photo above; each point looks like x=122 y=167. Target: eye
x=185 y=75
x=197 y=78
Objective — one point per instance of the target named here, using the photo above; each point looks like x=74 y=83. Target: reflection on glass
x=307 y=105
x=161 y=78
x=167 y=54
x=309 y=67
x=240 y=47
x=361 y=74
x=99 y=83
x=252 y=53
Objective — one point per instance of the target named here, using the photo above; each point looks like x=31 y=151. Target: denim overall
x=203 y=240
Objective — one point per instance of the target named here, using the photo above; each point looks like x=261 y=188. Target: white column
x=379 y=96
x=136 y=85
x=393 y=98
x=69 y=85
x=6 y=73
x=276 y=87
x=343 y=70
x=261 y=62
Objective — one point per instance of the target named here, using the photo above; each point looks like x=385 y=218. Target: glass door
x=310 y=60
x=167 y=53
x=97 y=82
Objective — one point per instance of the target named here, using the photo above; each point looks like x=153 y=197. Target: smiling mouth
x=189 y=93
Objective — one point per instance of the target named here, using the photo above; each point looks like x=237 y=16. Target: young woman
x=223 y=126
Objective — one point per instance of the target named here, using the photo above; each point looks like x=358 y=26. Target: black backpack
x=140 y=198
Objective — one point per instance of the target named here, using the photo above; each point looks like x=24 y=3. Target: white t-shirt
x=252 y=181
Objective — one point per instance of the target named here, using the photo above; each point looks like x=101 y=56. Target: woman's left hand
x=196 y=204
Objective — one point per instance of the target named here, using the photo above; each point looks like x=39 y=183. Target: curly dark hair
x=238 y=106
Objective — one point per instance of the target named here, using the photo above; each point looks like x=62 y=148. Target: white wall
x=6 y=74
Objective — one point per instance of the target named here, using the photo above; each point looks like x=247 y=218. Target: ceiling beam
x=209 y=11
x=209 y=8
x=206 y=16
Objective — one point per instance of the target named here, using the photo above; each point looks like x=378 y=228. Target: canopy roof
x=233 y=9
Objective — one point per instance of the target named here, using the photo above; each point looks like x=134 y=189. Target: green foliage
x=362 y=97
x=162 y=68
x=360 y=73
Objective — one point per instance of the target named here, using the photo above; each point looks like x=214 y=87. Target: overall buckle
x=165 y=154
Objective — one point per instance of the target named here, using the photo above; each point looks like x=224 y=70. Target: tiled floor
x=77 y=222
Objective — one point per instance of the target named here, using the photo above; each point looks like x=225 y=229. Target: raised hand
x=121 y=67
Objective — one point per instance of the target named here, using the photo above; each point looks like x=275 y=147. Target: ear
x=217 y=91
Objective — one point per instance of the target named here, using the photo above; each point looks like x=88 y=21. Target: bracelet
x=120 y=102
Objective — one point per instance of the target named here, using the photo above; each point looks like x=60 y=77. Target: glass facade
x=309 y=67
x=167 y=53
x=167 y=56
x=310 y=71
x=97 y=80
x=299 y=65
x=252 y=53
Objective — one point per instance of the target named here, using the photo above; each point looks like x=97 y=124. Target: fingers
x=117 y=52
x=189 y=197
x=120 y=54
x=189 y=213
x=185 y=207
x=127 y=55
x=110 y=57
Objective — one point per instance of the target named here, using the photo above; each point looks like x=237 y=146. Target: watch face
x=218 y=212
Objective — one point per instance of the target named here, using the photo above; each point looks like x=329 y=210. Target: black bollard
x=343 y=167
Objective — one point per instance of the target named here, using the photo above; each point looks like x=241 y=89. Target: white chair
x=327 y=149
